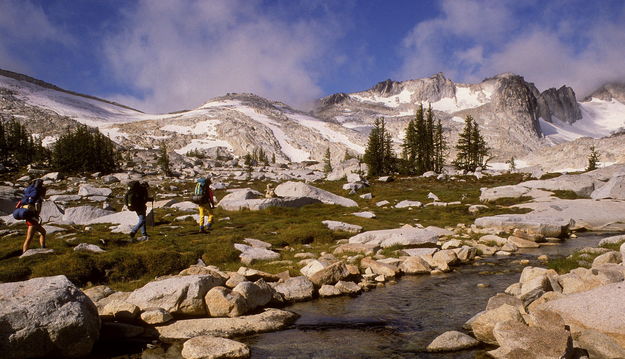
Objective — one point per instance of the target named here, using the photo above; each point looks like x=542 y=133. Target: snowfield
x=599 y=119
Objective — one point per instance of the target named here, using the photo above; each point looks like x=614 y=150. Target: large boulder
x=256 y=294
x=222 y=302
x=452 y=341
x=51 y=212
x=415 y=265
x=83 y=215
x=495 y=193
x=259 y=204
x=380 y=268
x=514 y=337
x=87 y=190
x=582 y=185
x=598 y=345
x=295 y=289
x=123 y=220
x=483 y=325
x=543 y=226
x=177 y=295
x=267 y=321
x=406 y=235
x=241 y=195
x=585 y=213
x=251 y=254
x=614 y=188
x=329 y=274
x=601 y=309
x=46 y=317
x=206 y=346
x=300 y=189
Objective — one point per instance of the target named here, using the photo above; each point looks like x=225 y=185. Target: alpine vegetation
x=471 y=147
x=379 y=154
x=84 y=150
x=424 y=148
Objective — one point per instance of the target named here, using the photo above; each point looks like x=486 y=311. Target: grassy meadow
x=175 y=245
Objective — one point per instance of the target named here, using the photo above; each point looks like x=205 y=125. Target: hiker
x=203 y=197
x=28 y=208
x=136 y=198
x=269 y=191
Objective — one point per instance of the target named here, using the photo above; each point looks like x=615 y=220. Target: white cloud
x=23 y=24
x=180 y=55
x=551 y=48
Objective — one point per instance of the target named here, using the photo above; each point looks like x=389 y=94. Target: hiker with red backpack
x=136 y=199
x=28 y=208
x=203 y=197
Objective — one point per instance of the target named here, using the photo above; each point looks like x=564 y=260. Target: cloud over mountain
x=179 y=56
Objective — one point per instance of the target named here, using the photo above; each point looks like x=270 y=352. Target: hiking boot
x=132 y=235
x=143 y=238
x=202 y=230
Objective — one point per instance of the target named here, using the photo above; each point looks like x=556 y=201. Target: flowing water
x=395 y=321
x=399 y=321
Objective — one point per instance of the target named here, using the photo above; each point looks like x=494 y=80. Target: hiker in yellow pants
x=203 y=197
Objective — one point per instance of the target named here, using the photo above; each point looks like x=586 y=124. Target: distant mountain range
x=516 y=119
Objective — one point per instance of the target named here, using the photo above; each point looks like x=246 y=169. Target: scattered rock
x=119 y=310
x=87 y=190
x=415 y=265
x=206 y=346
x=222 y=302
x=37 y=251
x=300 y=189
x=250 y=254
x=516 y=337
x=483 y=325
x=267 y=321
x=406 y=235
x=342 y=226
x=409 y=204
x=452 y=341
x=295 y=289
x=156 y=316
x=369 y=215
x=86 y=247
x=177 y=295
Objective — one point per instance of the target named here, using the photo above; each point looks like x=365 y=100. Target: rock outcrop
x=46 y=317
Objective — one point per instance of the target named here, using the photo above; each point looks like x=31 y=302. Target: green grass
x=176 y=244
x=566 y=194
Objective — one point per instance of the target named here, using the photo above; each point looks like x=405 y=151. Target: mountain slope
x=515 y=118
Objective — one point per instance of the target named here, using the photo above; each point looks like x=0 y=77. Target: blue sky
x=167 y=55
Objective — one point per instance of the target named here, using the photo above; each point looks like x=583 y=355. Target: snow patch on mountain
x=204 y=127
x=599 y=119
x=323 y=128
x=202 y=144
x=389 y=101
x=294 y=154
x=85 y=110
x=466 y=98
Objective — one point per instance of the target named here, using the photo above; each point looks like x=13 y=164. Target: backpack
x=33 y=193
x=136 y=196
x=24 y=213
x=199 y=194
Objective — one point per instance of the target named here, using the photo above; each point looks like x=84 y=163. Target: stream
x=393 y=321
x=399 y=321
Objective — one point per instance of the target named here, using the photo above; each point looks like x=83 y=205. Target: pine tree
x=379 y=153
x=410 y=148
x=327 y=161
x=439 y=148
x=84 y=150
x=428 y=141
x=472 y=149
x=593 y=159
x=511 y=164
x=163 y=160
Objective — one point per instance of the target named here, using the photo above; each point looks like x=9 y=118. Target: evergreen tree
x=379 y=153
x=439 y=148
x=472 y=149
x=428 y=141
x=84 y=150
x=593 y=159
x=163 y=160
x=424 y=148
x=511 y=164
x=247 y=160
x=327 y=162
x=18 y=147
